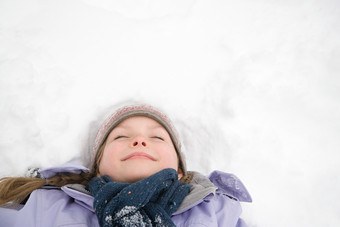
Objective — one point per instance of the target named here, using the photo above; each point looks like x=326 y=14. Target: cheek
x=108 y=161
x=170 y=158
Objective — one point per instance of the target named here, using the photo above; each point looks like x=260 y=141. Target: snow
x=131 y=216
x=253 y=87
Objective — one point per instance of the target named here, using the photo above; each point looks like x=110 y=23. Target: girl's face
x=137 y=148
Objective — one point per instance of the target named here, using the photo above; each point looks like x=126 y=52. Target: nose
x=139 y=141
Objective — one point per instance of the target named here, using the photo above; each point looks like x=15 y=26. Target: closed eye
x=119 y=137
x=158 y=137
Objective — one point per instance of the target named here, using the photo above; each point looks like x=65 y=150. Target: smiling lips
x=138 y=155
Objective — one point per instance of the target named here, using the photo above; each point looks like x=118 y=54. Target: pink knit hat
x=137 y=110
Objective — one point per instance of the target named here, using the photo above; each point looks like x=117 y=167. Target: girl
x=136 y=176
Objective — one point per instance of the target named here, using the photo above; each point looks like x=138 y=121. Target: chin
x=138 y=175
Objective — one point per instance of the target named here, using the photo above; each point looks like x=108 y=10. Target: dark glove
x=148 y=202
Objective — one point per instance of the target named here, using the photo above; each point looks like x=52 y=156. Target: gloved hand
x=148 y=202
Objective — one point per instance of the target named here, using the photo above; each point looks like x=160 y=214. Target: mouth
x=138 y=155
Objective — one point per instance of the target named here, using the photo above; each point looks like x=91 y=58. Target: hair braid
x=17 y=189
x=69 y=178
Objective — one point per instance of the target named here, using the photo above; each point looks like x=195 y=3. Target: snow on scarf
x=148 y=202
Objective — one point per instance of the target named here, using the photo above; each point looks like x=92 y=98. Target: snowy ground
x=253 y=86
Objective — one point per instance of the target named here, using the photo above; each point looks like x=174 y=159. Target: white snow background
x=253 y=87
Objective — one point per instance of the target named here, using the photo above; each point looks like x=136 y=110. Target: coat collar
x=69 y=167
x=230 y=185
x=80 y=195
x=202 y=188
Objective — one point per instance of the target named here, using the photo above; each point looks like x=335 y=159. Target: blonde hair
x=15 y=190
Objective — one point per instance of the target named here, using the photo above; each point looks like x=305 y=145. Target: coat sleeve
x=215 y=210
x=7 y=216
x=48 y=208
x=23 y=216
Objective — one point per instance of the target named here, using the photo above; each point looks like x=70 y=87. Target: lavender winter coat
x=214 y=202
